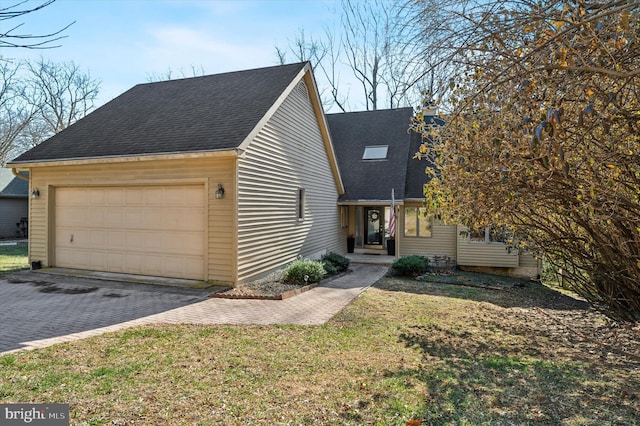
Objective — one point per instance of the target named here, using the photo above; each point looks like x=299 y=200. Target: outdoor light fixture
x=35 y=193
x=220 y=192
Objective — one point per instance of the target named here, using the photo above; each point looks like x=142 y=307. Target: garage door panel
x=155 y=196
x=97 y=260
x=135 y=241
x=154 y=264
x=114 y=196
x=193 y=197
x=155 y=242
x=194 y=219
x=64 y=216
x=79 y=216
x=115 y=262
x=115 y=218
x=134 y=196
x=175 y=266
x=190 y=243
x=134 y=218
x=148 y=230
x=153 y=220
x=96 y=196
x=117 y=240
x=95 y=217
x=133 y=263
x=97 y=238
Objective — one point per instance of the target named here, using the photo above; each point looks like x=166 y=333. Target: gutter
x=16 y=173
x=233 y=152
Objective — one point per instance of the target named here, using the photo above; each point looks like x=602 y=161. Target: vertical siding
x=484 y=254
x=287 y=154
x=11 y=211
x=441 y=243
x=219 y=252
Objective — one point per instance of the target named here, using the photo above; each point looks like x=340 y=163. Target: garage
x=156 y=230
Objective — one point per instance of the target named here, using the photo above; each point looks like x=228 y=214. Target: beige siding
x=287 y=154
x=527 y=260
x=441 y=243
x=219 y=252
x=484 y=254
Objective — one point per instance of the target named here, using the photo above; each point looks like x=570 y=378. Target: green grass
x=405 y=349
x=13 y=258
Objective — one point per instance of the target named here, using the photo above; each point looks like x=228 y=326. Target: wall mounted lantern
x=220 y=192
x=35 y=194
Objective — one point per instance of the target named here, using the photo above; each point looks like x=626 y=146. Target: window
x=416 y=222
x=301 y=203
x=490 y=234
x=375 y=152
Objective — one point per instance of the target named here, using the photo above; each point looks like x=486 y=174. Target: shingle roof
x=371 y=179
x=12 y=186
x=208 y=113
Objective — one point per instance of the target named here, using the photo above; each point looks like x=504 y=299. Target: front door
x=374 y=227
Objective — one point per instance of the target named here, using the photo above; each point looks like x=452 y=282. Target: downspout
x=16 y=173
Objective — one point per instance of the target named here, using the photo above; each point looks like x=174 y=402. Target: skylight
x=375 y=152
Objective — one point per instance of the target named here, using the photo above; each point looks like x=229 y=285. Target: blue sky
x=124 y=42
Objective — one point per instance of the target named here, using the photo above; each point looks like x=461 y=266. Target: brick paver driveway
x=40 y=306
x=38 y=310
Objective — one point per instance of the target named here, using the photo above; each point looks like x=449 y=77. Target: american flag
x=392 y=217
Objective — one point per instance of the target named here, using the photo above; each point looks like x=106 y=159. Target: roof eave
x=228 y=152
x=364 y=202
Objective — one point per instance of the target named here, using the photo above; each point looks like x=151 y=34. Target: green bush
x=298 y=270
x=339 y=262
x=411 y=266
x=329 y=267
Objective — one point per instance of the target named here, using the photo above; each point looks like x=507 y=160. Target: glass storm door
x=374 y=226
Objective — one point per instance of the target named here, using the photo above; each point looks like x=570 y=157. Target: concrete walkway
x=38 y=310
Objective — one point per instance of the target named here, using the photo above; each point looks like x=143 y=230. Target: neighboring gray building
x=14 y=205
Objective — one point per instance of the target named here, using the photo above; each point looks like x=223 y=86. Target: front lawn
x=405 y=349
x=13 y=258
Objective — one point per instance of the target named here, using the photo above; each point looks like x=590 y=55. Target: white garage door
x=146 y=230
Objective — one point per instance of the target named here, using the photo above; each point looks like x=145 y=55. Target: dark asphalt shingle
x=371 y=179
x=209 y=113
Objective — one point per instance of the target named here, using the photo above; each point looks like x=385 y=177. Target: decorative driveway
x=39 y=309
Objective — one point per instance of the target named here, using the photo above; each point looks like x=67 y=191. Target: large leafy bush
x=339 y=262
x=411 y=266
x=312 y=270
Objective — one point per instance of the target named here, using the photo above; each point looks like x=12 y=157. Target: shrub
x=329 y=267
x=339 y=262
x=298 y=270
x=411 y=266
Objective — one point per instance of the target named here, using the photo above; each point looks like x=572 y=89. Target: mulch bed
x=269 y=289
x=263 y=291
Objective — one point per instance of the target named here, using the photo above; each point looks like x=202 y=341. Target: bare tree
x=10 y=35
x=170 y=74
x=375 y=44
x=40 y=99
x=62 y=92
x=15 y=112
